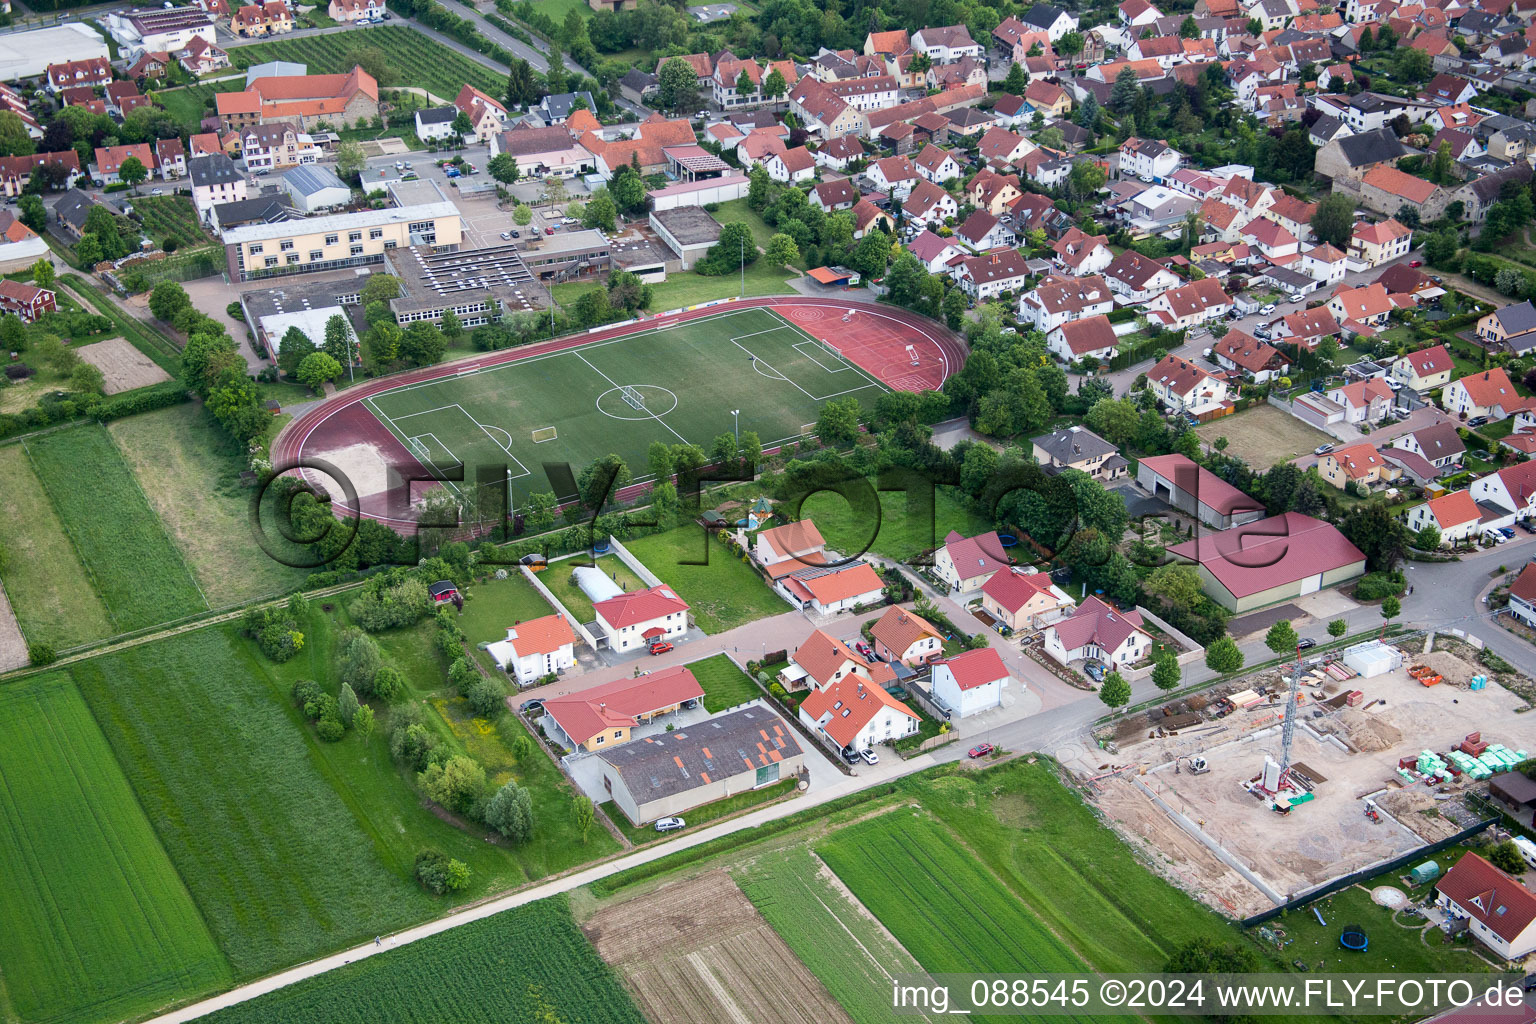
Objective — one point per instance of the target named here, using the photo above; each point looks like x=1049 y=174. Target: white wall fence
x=554 y=602
x=636 y=566
x=1192 y=650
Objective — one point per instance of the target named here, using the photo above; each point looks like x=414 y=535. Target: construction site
x=1255 y=793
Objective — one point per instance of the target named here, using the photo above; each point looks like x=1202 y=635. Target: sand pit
x=1387 y=896
x=1367 y=733
x=362 y=464
x=122 y=366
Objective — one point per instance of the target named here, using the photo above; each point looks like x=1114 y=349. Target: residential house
x=791 y=165
x=994 y=192
x=171 y=158
x=904 y=636
x=837 y=194
x=1056 y=300
x=276 y=145
x=1324 y=264
x=536 y=648
x=999 y=147
x=823 y=112
x=1428 y=369
x=1349 y=158
x=729 y=77
x=606 y=715
x=991 y=274
x=25 y=299
x=1455 y=515
x=1489 y=393
x=435 y=124
x=1190 y=305
x=1136 y=279
x=1513 y=326
x=894 y=175
x=1358 y=465
x=1375 y=244
x=965 y=563
x=1499 y=911
x=1081 y=449
x=1081 y=254
x=841 y=152
x=1048 y=98
x=930 y=205
x=1182 y=387
x=1511 y=491
x=1051 y=20
x=543 y=152
x=73 y=74
x=202 y=57
x=826 y=590
x=799 y=541
x=1439 y=445
x=1148 y=159
x=1388 y=190
x=1522 y=595
x=110 y=159
x=946 y=44
x=868 y=217
x=970 y=682
x=1367 y=305
x=935 y=253
x=852 y=714
x=487 y=117
x=356 y=11
x=632 y=621
x=936 y=165
x=1257 y=360
x=984 y=232
x=1364 y=401
x=1023 y=599
x=268 y=19
x=1076 y=340
x=1098 y=631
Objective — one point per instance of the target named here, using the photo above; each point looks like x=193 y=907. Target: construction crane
x=1288 y=726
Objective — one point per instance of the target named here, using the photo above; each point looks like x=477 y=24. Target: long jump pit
x=352 y=447
x=1209 y=834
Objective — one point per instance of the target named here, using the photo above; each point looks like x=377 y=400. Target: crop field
x=843 y=946
x=415 y=59
x=134 y=566
x=281 y=864
x=95 y=924
x=725 y=685
x=949 y=912
x=698 y=952
x=170 y=217
x=528 y=964
x=723 y=594
x=50 y=592
x=190 y=472
x=675 y=384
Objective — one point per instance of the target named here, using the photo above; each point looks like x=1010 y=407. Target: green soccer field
x=674 y=384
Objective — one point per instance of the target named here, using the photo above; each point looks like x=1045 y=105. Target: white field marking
x=807 y=352
x=794 y=384
x=616 y=384
x=408 y=440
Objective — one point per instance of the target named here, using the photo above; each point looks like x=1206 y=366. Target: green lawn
x=95 y=924
x=1393 y=948
x=737 y=210
x=559 y=578
x=527 y=964
x=413 y=58
x=847 y=950
x=139 y=334
x=190 y=471
x=724 y=593
x=492 y=606
x=138 y=572
x=691 y=289
x=725 y=685
x=904 y=528
x=558 y=9
x=50 y=592
x=189 y=104
x=688 y=376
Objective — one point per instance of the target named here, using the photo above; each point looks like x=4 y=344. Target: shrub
x=361 y=662
x=439 y=874
x=388 y=683
x=390 y=600
x=486 y=696
x=455 y=784
x=307 y=694
x=39 y=653
x=1374 y=586
x=275 y=631
x=1506 y=857
x=412 y=744
x=330 y=729
x=19 y=371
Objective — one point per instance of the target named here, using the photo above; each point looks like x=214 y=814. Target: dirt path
x=13 y=646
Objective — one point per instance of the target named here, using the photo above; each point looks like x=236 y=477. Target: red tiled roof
x=1269 y=553
x=544 y=635
x=1454 y=509
x=1014 y=588
x=1501 y=903
x=975 y=556
x=794 y=538
x=831 y=587
x=1098 y=623
x=640 y=606
x=977 y=668
x=898 y=629
x=853 y=703
x=1489 y=388
x=586 y=713
x=823 y=654
x=1397 y=183
x=1094 y=334
x=1212 y=490
x=1524 y=586
x=1429 y=361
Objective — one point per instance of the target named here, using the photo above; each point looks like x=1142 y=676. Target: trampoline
x=1007 y=540
x=1354 y=938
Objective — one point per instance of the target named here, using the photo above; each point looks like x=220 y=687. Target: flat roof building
x=303 y=302
x=568 y=254
x=474 y=283
x=339 y=240
x=688 y=231
x=28 y=54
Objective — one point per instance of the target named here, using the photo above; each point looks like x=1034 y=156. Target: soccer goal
x=632 y=398
x=544 y=434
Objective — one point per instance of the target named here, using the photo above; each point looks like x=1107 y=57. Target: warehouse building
x=1196 y=491
x=671 y=772
x=1271 y=560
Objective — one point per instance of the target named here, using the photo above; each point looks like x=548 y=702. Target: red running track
x=875 y=338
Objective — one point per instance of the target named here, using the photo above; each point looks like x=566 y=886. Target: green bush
x=439 y=874
x=330 y=729
x=39 y=653
x=1374 y=586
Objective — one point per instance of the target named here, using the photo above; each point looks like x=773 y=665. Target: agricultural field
x=852 y=955
x=697 y=952
x=275 y=853
x=95 y=923
x=50 y=592
x=414 y=59
x=190 y=472
x=724 y=593
x=138 y=572
x=902 y=528
x=1263 y=436
x=725 y=685
x=170 y=217
x=527 y=964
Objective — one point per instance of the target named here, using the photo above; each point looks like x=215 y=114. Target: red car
x=980 y=750
x=660 y=647
x=1416 y=263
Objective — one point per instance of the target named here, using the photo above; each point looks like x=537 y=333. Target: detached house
x=965 y=563
x=535 y=648
x=971 y=682
x=1081 y=449
x=632 y=621
x=1375 y=244
x=1358 y=464
x=936 y=165
x=1080 y=254
x=1181 y=386
x=1514 y=326
x=929 y=204
x=1439 y=445
x=1489 y=393
x=1059 y=299
x=1098 y=631
x=1455 y=515
x=1257 y=360
x=1499 y=911
x=486 y=115
x=984 y=232
x=1136 y=279
x=895 y=176
x=1424 y=370
x=1193 y=304
x=1148 y=159
x=791 y=165
x=1024 y=600
x=991 y=274
x=1093 y=338
x=904 y=636
x=1368 y=306
x=852 y=715
x=1365 y=401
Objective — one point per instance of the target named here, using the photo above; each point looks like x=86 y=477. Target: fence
x=554 y=602
x=1346 y=881
x=1192 y=650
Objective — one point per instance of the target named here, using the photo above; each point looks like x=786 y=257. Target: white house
x=1056 y=300
x=853 y=714
x=798 y=540
x=1490 y=393
x=1080 y=254
x=929 y=204
x=936 y=165
x=946 y=44
x=535 y=648
x=1512 y=489
x=965 y=563
x=1323 y=264
x=1455 y=515
x=1098 y=631
x=1522 y=595
x=1364 y=401
x=1181 y=386
x=822 y=590
x=822 y=659
x=631 y=621
x=1148 y=159
x=435 y=123
x=1136 y=279
x=791 y=165
x=1093 y=337
x=972 y=682
x=1193 y=304
x=986 y=276
x=1499 y=911
x=894 y=176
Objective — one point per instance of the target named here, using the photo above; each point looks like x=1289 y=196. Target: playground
x=523 y=415
x=1209 y=834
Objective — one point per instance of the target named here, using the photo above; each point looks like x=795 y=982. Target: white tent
x=596 y=584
